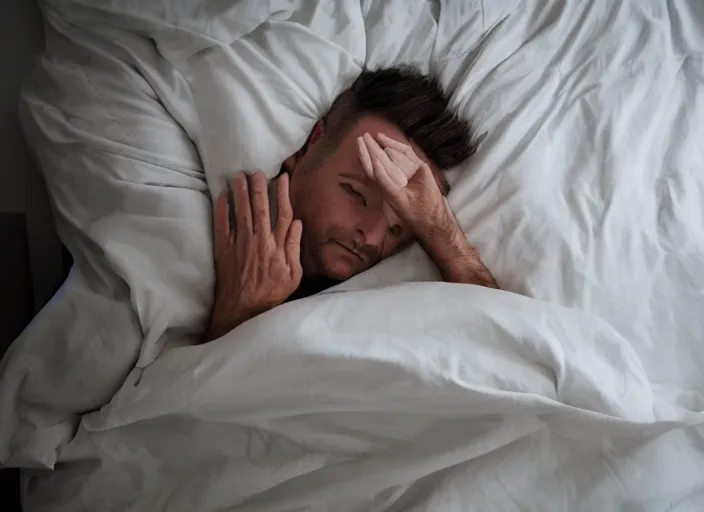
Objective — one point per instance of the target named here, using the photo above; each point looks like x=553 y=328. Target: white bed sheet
x=585 y=392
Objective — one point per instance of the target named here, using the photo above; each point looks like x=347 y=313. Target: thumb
x=427 y=184
x=422 y=176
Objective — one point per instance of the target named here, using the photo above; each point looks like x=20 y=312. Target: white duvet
x=581 y=390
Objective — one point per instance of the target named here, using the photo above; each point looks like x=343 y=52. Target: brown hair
x=412 y=101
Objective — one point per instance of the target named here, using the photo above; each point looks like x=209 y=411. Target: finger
x=384 y=167
x=414 y=169
x=406 y=149
x=243 y=210
x=365 y=157
x=285 y=215
x=383 y=178
x=407 y=166
x=391 y=168
x=293 y=249
x=260 y=203
x=221 y=224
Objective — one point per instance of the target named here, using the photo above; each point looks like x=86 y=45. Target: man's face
x=346 y=228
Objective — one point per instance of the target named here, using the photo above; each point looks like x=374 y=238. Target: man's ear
x=316 y=134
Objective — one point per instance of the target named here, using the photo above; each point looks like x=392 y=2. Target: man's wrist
x=448 y=247
x=439 y=230
x=226 y=317
x=435 y=226
x=218 y=329
x=222 y=322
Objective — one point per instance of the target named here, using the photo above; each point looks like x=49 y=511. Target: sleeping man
x=368 y=182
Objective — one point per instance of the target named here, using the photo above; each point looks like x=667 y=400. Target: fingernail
x=360 y=145
x=401 y=180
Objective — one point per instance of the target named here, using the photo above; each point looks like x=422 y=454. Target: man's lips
x=352 y=251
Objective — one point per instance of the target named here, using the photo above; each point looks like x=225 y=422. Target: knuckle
x=259 y=215
x=267 y=245
x=260 y=193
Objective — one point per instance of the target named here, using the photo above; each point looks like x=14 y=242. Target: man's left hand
x=408 y=183
x=411 y=190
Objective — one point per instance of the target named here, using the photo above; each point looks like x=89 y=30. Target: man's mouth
x=352 y=251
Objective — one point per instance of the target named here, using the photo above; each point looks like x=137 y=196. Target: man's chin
x=323 y=271
x=339 y=275
x=334 y=270
x=332 y=262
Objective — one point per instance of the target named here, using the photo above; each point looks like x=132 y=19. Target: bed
x=578 y=386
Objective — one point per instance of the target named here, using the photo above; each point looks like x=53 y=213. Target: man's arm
x=256 y=268
x=413 y=193
x=452 y=253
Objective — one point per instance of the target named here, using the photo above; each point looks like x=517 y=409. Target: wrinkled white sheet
x=585 y=392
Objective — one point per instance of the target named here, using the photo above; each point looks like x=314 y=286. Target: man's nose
x=372 y=230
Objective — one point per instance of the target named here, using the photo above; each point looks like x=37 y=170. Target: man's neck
x=311 y=286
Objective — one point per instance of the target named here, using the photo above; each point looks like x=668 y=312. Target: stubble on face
x=314 y=186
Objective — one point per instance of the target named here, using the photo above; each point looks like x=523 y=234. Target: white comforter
x=582 y=390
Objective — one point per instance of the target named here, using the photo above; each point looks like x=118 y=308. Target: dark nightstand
x=16 y=309
x=16 y=302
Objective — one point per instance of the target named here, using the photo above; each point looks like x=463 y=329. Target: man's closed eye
x=355 y=193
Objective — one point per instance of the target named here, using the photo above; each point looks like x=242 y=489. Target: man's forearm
x=454 y=256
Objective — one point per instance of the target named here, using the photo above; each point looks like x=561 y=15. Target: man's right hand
x=256 y=268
